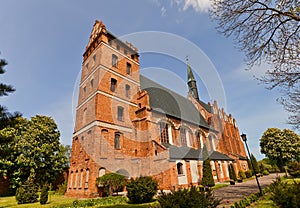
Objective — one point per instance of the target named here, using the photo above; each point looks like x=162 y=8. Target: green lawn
x=54 y=200
x=60 y=200
x=265 y=202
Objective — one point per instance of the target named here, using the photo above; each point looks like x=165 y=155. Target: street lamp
x=244 y=138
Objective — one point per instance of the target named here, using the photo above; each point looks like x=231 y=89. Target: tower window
x=92 y=82
x=128 y=68
x=127 y=91
x=114 y=61
x=113 y=84
x=81 y=178
x=117 y=141
x=179 y=168
x=87 y=174
x=120 y=113
x=198 y=140
x=125 y=52
x=94 y=57
x=183 y=137
x=118 y=47
x=164 y=135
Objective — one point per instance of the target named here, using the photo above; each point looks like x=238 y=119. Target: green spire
x=193 y=91
x=190 y=73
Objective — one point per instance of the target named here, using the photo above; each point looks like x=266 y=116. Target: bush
x=99 y=202
x=242 y=174
x=62 y=188
x=265 y=172
x=207 y=179
x=44 y=194
x=285 y=195
x=141 y=190
x=294 y=169
x=27 y=193
x=232 y=174
x=192 y=198
x=112 y=181
x=248 y=174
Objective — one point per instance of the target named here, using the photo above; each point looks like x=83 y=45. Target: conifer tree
x=207 y=179
x=232 y=174
x=255 y=164
x=6 y=118
x=44 y=194
x=27 y=192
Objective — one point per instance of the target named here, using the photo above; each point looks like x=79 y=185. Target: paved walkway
x=233 y=193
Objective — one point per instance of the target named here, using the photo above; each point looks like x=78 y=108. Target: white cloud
x=197 y=5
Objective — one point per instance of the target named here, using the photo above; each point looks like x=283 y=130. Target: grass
x=264 y=202
x=219 y=185
x=54 y=200
x=62 y=201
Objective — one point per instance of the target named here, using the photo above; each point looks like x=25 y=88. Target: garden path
x=233 y=193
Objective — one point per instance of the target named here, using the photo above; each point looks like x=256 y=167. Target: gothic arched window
x=164 y=132
x=117 y=141
x=180 y=168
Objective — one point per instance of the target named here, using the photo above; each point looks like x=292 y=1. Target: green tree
x=32 y=144
x=232 y=174
x=27 y=192
x=267 y=31
x=280 y=146
x=6 y=118
x=250 y=165
x=112 y=181
x=207 y=179
x=44 y=194
x=255 y=164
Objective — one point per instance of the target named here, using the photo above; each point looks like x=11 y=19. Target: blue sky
x=43 y=42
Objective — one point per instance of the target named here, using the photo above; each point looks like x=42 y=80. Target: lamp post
x=244 y=138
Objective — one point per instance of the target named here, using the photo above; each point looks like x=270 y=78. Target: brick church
x=131 y=125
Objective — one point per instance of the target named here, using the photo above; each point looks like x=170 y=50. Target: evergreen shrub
x=232 y=174
x=285 y=195
x=294 y=169
x=265 y=172
x=188 y=198
x=242 y=174
x=141 y=189
x=248 y=173
x=27 y=193
x=44 y=194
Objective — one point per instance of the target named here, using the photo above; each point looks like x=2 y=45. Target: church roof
x=193 y=154
x=170 y=103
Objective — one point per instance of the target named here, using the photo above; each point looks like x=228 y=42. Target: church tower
x=107 y=102
x=193 y=91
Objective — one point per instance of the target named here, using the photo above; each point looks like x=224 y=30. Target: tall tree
x=280 y=146
x=6 y=118
x=32 y=145
x=267 y=31
x=207 y=179
x=255 y=164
